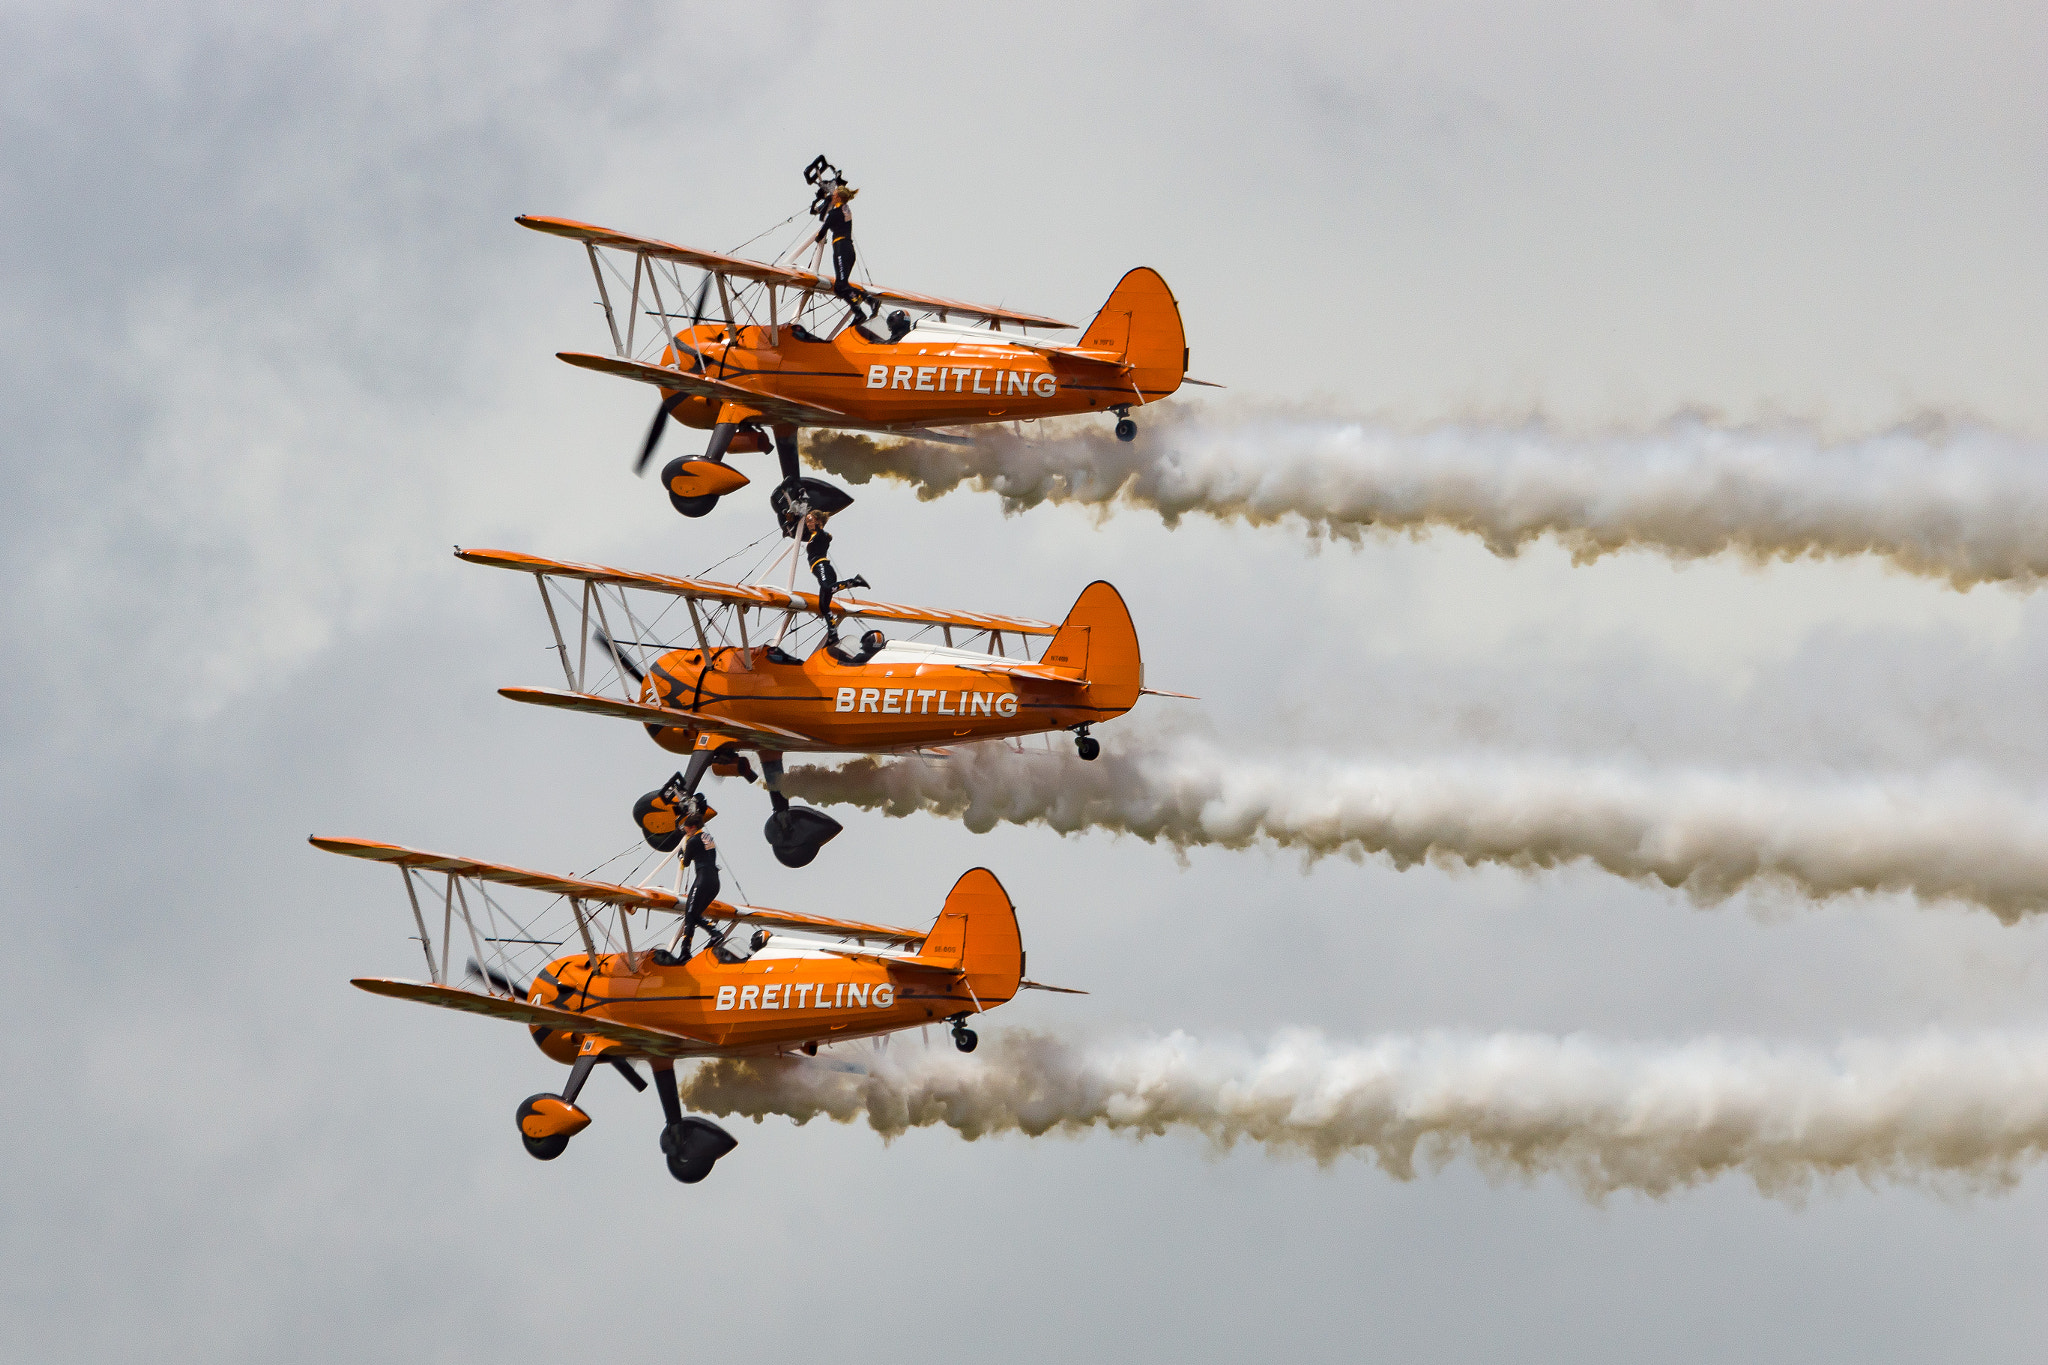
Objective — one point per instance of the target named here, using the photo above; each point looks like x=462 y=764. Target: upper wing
x=759 y=273
x=653 y=715
x=652 y=1041
x=632 y=897
x=757 y=595
x=773 y=406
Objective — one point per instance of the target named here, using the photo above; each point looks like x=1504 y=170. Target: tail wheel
x=1127 y=430
x=965 y=1039
x=1089 y=747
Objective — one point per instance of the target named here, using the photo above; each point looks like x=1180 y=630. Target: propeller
x=498 y=979
x=611 y=647
x=668 y=406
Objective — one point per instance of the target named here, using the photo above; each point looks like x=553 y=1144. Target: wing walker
x=724 y=674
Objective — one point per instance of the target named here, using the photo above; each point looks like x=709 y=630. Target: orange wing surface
x=632 y=897
x=761 y=273
x=655 y=1042
x=589 y=705
x=772 y=406
x=755 y=595
x=611 y=893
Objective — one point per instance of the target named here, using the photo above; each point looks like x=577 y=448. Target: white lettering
x=749 y=996
x=1045 y=386
x=839 y=995
x=982 y=704
x=977 y=384
x=924 y=377
x=944 y=709
x=924 y=699
x=802 y=993
x=958 y=375
x=1016 y=382
x=868 y=697
x=725 y=997
x=845 y=701
x=885 y=996
x=901 y=379
x=891 y=700
x=1006 y=704
x=768 y=997
x=856 y=995
x=878 y=376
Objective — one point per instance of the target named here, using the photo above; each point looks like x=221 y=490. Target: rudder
x=1099 y=642
x=1141 y=323
x=977 y=933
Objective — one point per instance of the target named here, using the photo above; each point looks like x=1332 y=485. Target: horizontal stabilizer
x=651 y=1042
x=1041 y=986
x=1161 y=692
x=908 y=964
x=620 y=709
x=814 y=924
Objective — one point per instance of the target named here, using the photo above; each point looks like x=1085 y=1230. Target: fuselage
x=778 y=1000
x=937 y=375
x=909 y=696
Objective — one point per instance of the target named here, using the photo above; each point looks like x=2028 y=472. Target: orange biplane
x=715 y=691
x=782 y=354
x=801 y=982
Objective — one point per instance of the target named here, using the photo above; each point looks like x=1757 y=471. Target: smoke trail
x=1966 y=504
x=1966 y=1114
x=1939 y=839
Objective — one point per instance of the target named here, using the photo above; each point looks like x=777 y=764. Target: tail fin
x=1097 y=642
x=1141 y=323
x=977 y=933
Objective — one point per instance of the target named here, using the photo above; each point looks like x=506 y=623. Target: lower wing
x=652 y=1041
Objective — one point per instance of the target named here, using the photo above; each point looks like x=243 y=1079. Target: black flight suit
x=839 y=223
x=818 y=549
x=700 y=851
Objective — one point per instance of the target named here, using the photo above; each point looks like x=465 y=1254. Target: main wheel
x=540 y=1148
x=1127 y=430
x=544 y=1149
x=693 y=1148
x=1089 y=747
x=965 y=1039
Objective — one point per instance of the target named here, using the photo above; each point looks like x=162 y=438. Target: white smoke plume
x=1940 y=838
x=1962 y=503
x=1953 y=1113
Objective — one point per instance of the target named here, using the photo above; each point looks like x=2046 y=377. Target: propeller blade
x=661 y=416
x=611 y=647
x=498 y=979
x=703 y=292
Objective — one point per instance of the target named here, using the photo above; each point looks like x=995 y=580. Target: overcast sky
x=273 y=344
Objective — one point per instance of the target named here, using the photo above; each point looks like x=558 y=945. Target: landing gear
x=1086 y=744
x=547 y=1122
x=1126 y=429
x=964 y=1037
x=691 y=1145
